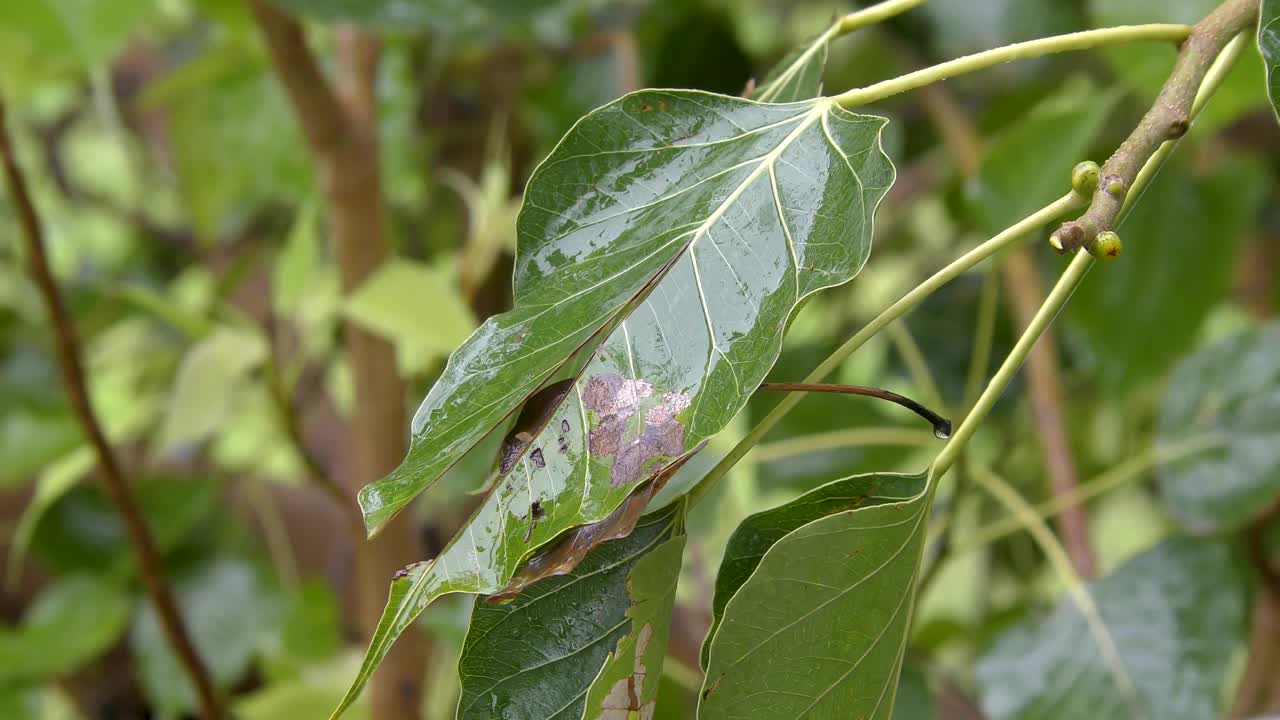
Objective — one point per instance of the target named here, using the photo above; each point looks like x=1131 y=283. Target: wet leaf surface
x=1176 y=613
x=570 y=638
x=662 y=247
x=1269 y=46
x=819 y=619
x=1229 y=392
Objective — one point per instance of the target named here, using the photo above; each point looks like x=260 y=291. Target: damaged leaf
x=820 y=593
x=565 y=555
x=662 y=247
x=611 y=610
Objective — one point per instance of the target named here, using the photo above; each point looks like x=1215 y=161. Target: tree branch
x=73 y=377
x=1167 y=119
x=341 y=130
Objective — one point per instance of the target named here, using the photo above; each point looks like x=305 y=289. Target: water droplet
x=942 y=429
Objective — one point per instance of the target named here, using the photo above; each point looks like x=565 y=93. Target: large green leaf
x=1269 y=46
x=1229 y=391
x=677 y=230
x=824 y=585
x=1176 y=612
x=70 y=623
x=584 y=625
x=669 y=236
x=1146 y=309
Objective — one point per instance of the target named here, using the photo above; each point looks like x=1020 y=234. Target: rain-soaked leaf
x=814 y=603
x=662 y=247
x=605 y=622
x=1229 y=392
x=1269 y=46
x=1177 y=614
x=798 y=76
x=566 y=553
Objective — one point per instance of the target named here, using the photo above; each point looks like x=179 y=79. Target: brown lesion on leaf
x=624 y=696
x=408 y=569
x=616 y=401
x=565 y=555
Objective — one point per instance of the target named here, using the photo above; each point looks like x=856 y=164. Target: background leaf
x=576 y=626
x=819 y=627
x=73 y=621
x=1229 y=391
x=1176 y=612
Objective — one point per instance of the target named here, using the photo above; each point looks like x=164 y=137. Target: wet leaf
x=1269 y=46
x=669 y=235
x=1230 y=392
x=586 y=626
x=668 y=259
x=565 y=554
x=798 y=76
x=819 y=619
x=1177 y=614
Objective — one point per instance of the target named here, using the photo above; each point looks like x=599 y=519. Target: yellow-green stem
x=1085 y=40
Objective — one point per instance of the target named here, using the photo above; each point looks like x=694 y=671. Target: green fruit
x=1084 y=177
x=1105 y=246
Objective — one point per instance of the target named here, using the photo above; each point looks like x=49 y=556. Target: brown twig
x=73 y=377
x=339 y=123
x=1168 y=118
x=941 y=425
x=1258 y=692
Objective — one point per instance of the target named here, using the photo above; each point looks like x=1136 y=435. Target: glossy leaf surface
x=1269 y=46
x=1176 y=613
x=539 y=655
x=1229 y=392
x=671 y=233
x=798 y=76
x=818 y=627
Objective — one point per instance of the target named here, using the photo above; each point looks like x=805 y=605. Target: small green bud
x=1084 y=177
x=1056 y=242
x=1105 y=246
x=1114 y=185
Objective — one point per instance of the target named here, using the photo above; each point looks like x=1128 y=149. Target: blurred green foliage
x=188 y=231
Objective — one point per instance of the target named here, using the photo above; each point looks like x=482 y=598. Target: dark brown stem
x=941 y=425
x=1167 y=119
x=340 y=125
x=73 y=378
x=1258 y=692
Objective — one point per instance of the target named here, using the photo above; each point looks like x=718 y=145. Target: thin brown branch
x=1258 y=692
x=117 y=488
x=341 y=130
x=941 y=425
x=1167 y=119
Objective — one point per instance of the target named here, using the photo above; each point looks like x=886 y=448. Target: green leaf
x=584 y=626
x=672 y=212
x=297 y=261
x=385 y=305
x=1138 y=315
x=227 y=613
x=307 y=697
x=662 y=247
x=1269 y=46
x=50 y=35
x=820 y=596
x=1231 y=392
x=914 y=700
x=1177 y=613
x=70 y=623
x=207 y=384
x=798 y=76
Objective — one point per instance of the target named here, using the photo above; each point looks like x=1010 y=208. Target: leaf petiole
x=941 y=425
